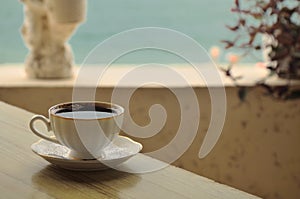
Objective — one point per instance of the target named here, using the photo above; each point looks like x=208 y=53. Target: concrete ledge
x=13 y=75
x=258 y=151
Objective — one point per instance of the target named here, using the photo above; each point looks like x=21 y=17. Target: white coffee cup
x=84 y=127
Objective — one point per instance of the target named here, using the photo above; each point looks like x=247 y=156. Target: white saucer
x=120 y=150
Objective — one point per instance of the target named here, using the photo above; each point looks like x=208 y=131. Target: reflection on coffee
x=85 y=111
x=86 y=114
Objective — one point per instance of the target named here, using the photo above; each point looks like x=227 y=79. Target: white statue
x=47 y=26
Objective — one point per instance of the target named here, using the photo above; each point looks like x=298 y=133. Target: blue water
x=202 y=20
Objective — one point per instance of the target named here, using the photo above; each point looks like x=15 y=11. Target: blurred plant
x=279 y=22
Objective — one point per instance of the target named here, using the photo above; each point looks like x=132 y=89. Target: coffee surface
x=86 y=114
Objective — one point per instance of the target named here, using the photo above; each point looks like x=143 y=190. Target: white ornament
x=47 y=26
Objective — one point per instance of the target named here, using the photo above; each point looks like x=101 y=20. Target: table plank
x=25 y=175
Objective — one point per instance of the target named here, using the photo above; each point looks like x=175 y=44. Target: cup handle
x=48 y=125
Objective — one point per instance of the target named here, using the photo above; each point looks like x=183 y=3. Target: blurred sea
x=203 y=20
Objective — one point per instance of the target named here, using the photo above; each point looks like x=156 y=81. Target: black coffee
x=86 y=112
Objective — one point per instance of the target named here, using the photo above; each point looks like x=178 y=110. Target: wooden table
x=25 y=175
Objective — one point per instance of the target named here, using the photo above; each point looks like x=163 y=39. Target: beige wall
x=258 y=151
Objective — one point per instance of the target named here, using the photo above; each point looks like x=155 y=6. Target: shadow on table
x=62 y=183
